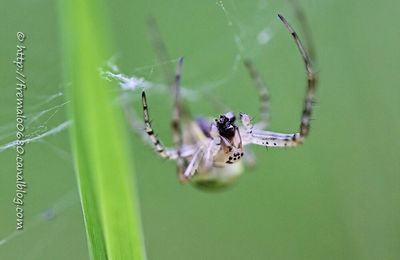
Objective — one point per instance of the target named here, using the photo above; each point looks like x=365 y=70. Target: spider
x=209 y=153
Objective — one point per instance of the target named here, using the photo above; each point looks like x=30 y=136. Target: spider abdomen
x=217 y=178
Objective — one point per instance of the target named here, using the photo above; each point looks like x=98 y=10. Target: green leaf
x=102 y=159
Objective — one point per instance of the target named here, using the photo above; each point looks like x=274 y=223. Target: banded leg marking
x=311 y=81
x=262 y=93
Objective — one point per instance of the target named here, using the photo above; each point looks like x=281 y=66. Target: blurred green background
x=336 y=197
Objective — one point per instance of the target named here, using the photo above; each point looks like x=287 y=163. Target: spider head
x=226 y=125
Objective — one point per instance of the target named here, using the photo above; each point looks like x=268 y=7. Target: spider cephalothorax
x=226 y=125
x=209 y=152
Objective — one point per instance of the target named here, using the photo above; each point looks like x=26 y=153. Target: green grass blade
x=102 y=158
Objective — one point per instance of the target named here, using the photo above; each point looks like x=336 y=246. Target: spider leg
x=194 y=163
x=252 y=135
x=208 y=156
x=162 y=151
x=306 y=30
x=273 y=139
x=311 y=82
x=179 y=109
x=212 y=148
x=204 y=155
x=163 y=58
x=185 y=150
x=262 y=93
x=176 y=119
x=134 y=122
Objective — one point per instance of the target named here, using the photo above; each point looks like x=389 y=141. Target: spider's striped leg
x=262 y=93
x=176 y=119
x=306 y=30
x=178 y=108
x=134 y=122
x=252 y=135
x=271 y=139
x=162 y=151
x=311 y=83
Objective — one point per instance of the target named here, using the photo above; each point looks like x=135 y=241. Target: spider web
x=249 y=36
